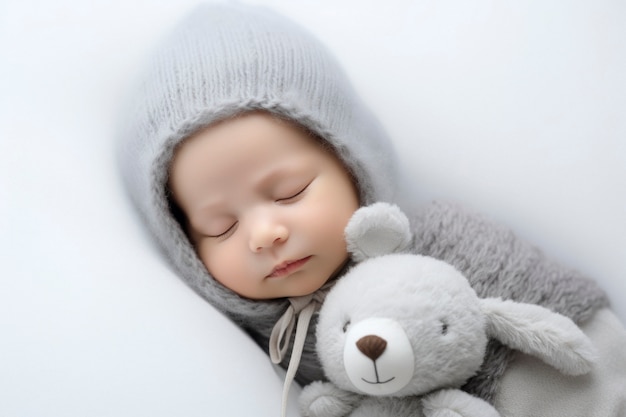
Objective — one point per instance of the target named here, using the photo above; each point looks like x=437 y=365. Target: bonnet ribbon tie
x=303 y=307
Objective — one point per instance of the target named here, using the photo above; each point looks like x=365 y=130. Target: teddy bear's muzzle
x=378 y=357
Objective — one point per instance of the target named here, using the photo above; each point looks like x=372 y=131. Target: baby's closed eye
x=294 y=193
x=229 y=230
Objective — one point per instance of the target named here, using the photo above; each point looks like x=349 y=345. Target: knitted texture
x=227 y=59
x=499 y=264
x=223 y=60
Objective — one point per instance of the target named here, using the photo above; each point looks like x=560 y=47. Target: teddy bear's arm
x=324 y=399
x=456 y=403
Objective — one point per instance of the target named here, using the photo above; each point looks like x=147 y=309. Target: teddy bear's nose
x=372 y=346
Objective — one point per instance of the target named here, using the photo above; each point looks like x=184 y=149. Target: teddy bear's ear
x=378 y=229
x=537 y=331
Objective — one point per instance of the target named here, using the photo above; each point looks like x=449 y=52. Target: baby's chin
x=340 y=270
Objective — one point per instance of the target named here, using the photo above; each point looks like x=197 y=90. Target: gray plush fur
x=418 y=330
x=499 y=264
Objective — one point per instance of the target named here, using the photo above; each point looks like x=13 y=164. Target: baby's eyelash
x=296 y=194
x=226 y=232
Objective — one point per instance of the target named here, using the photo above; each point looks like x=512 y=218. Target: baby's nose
x=267 y=234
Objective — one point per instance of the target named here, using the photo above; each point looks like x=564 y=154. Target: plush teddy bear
x=399 y=333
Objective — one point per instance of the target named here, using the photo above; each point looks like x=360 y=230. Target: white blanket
x=514 y=109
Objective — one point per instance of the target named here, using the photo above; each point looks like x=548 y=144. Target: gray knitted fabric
x=223 y=60
x=498 y=264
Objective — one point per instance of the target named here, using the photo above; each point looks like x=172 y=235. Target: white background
x=514 y=109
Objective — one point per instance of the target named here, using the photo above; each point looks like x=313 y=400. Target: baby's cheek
x=223 y=264
x=235 y=268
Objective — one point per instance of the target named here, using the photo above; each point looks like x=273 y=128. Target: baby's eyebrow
x=265 y=179
x=212 y=202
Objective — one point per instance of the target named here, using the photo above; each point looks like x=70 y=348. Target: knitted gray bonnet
x=223 y=60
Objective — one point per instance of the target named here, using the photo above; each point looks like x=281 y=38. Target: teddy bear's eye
x=444 y=328
x=346 y=325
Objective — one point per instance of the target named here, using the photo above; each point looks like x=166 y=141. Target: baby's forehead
x=238 y=136
x=256 y=144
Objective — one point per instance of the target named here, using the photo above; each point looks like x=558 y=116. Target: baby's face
x=266 y=206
